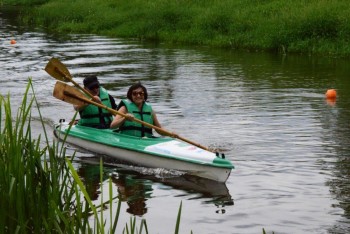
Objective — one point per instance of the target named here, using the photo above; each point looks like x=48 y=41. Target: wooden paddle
x=59 y=71
x=72 y=95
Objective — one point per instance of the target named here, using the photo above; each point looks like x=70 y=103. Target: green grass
x=23 y=2
x=40 y=190
x=299 y=26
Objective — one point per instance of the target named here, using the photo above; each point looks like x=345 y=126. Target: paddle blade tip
x=68 y=94
x=58 y=70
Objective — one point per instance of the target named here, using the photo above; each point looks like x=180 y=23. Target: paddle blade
x=58 y=70
x=69 y=94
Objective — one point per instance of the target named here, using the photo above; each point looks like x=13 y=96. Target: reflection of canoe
x=217 y=192
x=136 y=189
x=159 y=152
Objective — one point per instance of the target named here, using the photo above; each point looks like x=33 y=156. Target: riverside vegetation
x=313 y=27
x=40 y=190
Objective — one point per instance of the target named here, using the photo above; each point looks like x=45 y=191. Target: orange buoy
x=13 y=41
x=331 y=94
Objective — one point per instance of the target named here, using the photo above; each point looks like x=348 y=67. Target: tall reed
x=35 y=183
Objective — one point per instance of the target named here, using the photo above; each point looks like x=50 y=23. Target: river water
x=266 y=112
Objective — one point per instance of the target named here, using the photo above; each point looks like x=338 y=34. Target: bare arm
x=119 y=120
x=81 y=107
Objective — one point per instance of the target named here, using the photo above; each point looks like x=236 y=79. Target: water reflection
x=217 y=193
x=135 y=188
x=132 y=190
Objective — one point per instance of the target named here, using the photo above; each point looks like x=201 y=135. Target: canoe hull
x=151 y=157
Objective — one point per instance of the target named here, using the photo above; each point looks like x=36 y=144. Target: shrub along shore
x=313 y=27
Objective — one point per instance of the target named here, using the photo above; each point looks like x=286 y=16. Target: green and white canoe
x=159 y=152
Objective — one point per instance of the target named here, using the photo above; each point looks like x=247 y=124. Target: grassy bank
x=310 y=27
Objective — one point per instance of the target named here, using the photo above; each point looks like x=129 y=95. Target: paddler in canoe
x=136 y=106
x=91 y=115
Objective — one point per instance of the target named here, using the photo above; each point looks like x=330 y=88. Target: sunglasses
x=138 y=93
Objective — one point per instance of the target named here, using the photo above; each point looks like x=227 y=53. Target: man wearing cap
x=91 y=115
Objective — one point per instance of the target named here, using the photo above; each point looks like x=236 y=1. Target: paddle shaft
x=67 y=93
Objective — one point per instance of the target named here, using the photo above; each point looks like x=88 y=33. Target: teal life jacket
x=136 y=129
x=93 y=116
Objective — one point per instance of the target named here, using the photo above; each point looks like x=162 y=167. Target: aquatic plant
x=38 y=194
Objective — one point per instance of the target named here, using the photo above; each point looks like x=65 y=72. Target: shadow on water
x=135 y=188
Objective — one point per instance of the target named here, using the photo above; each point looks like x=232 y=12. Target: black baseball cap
x=91 y=81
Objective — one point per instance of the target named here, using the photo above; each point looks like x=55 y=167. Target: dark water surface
x=267 y=113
